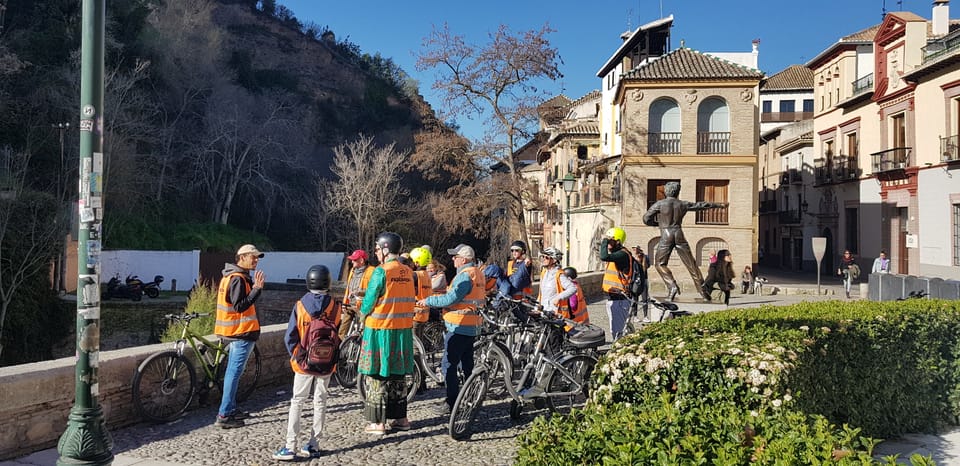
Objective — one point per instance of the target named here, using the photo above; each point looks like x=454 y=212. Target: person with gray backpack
x=313 y=344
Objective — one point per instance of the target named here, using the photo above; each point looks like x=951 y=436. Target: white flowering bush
x=805 y=384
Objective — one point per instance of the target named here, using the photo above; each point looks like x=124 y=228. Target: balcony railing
x=950 y=148
x=790 y=217
x=768 y=206
x=939 y=49
x=718 y=216
x=892 y=159
x=663 y=143
x=713 y=143
x=777 y=117
x=864 y=84
x=845 y=168
x=823 y=171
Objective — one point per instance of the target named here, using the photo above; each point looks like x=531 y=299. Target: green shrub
x=689 y=389
x=203 y=300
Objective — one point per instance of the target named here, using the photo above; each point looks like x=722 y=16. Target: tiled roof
x=581 y=129
x=794 y=77
x=864 y=35
x=684 y=63
x=554 y=102
x=594 y=94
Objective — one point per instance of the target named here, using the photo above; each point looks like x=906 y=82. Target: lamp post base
x=86 y=440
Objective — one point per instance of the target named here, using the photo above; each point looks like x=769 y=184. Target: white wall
x=936 y=221
x=184 y=266
x=280 y=266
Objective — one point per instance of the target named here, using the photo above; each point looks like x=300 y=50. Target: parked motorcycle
x=131 y=289
x=152 y=289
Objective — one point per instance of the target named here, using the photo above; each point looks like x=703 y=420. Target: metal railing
x=790 y=217
x=864 y=84
x=718 y=216
x=823 y=171
x=950 y=148
x=845 y=168
x=770 y=205
x=939 y=49
x=713 y=143
x=663 y=143
x=892 y=159
x=776 y=117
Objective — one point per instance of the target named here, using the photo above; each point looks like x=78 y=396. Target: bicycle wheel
x=248 y=379
x=580 y=367
x=346 y=372
x=163 y=386
x=412 y=383
x=468 y=403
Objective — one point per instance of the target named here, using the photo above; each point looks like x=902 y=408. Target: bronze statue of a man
x=668 y=215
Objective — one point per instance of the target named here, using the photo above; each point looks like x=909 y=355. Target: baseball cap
x=463 y=251
x=358 y=254
x=249 y=249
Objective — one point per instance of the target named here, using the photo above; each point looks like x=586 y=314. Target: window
x=899 y=130
x=956 y=235
x=853 y=146
x=787 y=106
x=713 y=191
x=665 y=127
x=767 y=106
x=713 y=127
x=852 y=234
x=808 y=105
x=655 y=190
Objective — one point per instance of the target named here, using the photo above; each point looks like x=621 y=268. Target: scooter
x=132 y=289
x=152 y=289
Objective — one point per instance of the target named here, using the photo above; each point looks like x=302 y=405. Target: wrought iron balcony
x=862 y=85
x=790 y=217
x=822 y=171
x=663 y=143
x=777 y=117
x=719 y=216
x=845 y=168
x=950 y=148
x=897 y=158
x=713 y=143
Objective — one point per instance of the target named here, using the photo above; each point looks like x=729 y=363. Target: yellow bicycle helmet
x=421 y=256
x=616 y=233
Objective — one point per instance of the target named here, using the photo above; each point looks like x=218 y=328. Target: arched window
x=665 y=127
x=706 y=247
x=713 y=127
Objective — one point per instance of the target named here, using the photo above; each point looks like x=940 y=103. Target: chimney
x=941 y=17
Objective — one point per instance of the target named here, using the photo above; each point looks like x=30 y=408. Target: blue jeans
x=459 y=351
x=239 y=352
x=617 y=312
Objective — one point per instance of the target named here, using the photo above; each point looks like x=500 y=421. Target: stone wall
x=37 y=397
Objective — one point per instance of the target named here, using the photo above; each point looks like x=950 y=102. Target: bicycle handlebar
x=186 y=316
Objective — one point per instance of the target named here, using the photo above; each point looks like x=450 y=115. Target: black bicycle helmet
x=570 y=272
x=318 y=278
x=390 y=241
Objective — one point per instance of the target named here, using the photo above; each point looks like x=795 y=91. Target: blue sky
x=790 y=31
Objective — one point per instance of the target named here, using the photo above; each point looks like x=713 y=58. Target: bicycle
x=668 y=310
x=166 y=382
x=559 y=381
x=346 y=373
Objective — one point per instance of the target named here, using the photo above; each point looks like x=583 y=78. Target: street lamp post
x=569 y=183
x=86 y=439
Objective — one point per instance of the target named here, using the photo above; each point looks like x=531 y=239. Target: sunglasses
x=516 y=250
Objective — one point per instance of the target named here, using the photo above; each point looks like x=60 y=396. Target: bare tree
x=29 y=236
x=500 y=80
x=366 y=189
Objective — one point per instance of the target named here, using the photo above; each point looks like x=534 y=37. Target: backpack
x=638 y=278
x=320 y=346
x=854 y=271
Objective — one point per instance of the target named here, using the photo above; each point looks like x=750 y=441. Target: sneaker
x=284 y=454
x=442 y=408
x=240 y=415
x=228 y=422
x=310 y=451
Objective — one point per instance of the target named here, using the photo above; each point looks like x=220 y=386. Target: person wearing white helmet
x=555 y=287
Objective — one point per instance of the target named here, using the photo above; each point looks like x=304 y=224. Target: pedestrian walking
x=386 y=353
x=848 y=270
x=237 y=324
x=720 y=276
x=463 y=298
x=315 y=304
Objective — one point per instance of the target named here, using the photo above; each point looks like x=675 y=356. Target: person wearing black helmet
x=518 y=271
x=315 y=304
x=387 y=348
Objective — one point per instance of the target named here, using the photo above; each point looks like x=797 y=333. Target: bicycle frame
x=200 y=352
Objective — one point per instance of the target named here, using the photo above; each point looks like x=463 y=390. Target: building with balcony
x=786 y=97
x=873 y=147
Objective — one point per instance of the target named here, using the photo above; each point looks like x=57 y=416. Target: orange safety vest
x=578 y=315
x=231 y=323
x=464 y=312
x=613 y=279
x=364 y=281
x=394 y=308
x=526 y=291
x=424 y=289
x=331 y=312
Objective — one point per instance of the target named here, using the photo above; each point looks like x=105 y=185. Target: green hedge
x=765 y=385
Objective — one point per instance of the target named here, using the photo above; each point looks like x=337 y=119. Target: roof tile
x=685 y=63
x=793 y=77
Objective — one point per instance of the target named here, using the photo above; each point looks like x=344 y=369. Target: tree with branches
x=501 y=81
x=366 y=187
